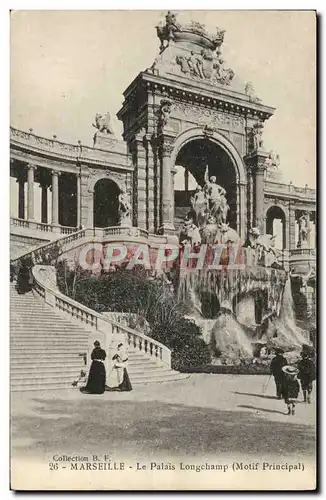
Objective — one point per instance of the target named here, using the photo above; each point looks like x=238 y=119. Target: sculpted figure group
x=209 y=209
x=206 y=65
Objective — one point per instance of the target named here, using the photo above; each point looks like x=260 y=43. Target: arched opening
x=194 y=157
x=275 y=225
x=106 y=203
x=210 y=305
x=68 y=200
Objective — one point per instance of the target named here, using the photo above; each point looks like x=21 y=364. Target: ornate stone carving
x=208 y=131
x=103 y=123
x=166 y=32
x=195 y=53
x=124 y=209
x=273 y=166
x=256 y=137
x=164 y=112
x=250 y=92
x=304 y=230
x=167 y=149
x=206 y=65
x=95 y=175
x=207 y=118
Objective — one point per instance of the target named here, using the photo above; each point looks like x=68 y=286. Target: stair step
x=43 y=383
x=19 y=365
x=42 y=352
x=45 y=347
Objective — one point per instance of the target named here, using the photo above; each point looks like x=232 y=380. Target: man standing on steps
x=276 y=370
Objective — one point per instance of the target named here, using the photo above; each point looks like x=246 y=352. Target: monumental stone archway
x=188 y=95
x=214 y=154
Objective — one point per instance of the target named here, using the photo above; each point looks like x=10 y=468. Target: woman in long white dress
x=119 y=379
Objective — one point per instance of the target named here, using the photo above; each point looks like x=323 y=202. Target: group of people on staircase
x=117 y=380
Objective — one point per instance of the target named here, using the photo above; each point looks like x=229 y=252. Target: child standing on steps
x=291 y=387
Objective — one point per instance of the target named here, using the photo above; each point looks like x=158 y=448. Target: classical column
x=292 y=223
x=44 y=204
x=55 y=197
x=150 y=184
x=21 y=196
x=30 y=192
x=250 y=192
x=186 y=180
x=309 y=230
x=243 y=209
x=78 y=201
x=140 y=181
x=167 y=191
x=256 y=161
x=259 y=199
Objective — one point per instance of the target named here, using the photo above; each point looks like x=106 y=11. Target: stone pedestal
x=103 y=141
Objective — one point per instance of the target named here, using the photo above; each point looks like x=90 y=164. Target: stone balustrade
x=289 y=190
x=41 y=226
x=298 y=252
x=69 y=151
x=41 y=252
x=47 y=290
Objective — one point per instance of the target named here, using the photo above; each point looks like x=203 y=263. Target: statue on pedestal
x=199 y=205
x=273 y=166
x=250 y=92
x=124 y=209
x=257 y=134
x=103 y=125
x=304 y=230
x=190 y=234
x=217 y=203
x=164 y=112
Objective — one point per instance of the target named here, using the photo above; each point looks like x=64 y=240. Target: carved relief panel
x=207 y=117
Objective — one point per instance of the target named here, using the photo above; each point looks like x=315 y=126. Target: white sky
x=68 y=65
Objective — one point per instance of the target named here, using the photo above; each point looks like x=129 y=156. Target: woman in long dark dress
x=120 y=373
x=97 y=375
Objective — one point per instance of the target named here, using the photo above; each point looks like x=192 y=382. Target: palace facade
x=185 y=113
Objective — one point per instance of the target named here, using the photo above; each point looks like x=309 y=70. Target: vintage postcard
x=163 y=250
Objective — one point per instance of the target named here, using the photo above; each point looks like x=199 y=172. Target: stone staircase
x=46 y=349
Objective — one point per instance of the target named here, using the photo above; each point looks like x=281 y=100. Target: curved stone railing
x=41 y=226
x=45 y=286
x=125 y=231
x=41 y=251
x=289 y=189
x=69 y=151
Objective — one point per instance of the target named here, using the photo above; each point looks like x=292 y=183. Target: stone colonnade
x=46 y=178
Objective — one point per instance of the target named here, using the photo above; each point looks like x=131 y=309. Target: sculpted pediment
x=191 y=52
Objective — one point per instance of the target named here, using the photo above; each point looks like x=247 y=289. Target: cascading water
x=223 y=332
x=212 y=292
x=284 y=326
